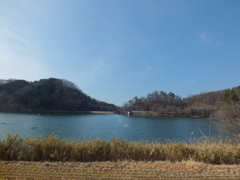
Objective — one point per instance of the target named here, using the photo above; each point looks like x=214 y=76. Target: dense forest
x=169 y=104
x=47 y=94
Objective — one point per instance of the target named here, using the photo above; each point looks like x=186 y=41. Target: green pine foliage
x=230 y=96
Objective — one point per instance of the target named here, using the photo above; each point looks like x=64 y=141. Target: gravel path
x=116 y=170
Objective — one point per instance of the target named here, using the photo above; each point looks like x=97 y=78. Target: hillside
x=169 y=104
x=47 y=94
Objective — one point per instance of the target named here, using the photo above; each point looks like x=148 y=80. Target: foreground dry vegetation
x=117 y=170
x=53 y=158
x=55 y=149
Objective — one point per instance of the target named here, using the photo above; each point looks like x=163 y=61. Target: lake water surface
x=103 y=127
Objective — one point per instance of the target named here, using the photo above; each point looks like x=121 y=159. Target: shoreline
x=56 y=112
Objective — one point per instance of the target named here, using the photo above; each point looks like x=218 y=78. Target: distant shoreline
x=55 y=111
x=101 y=112
x=164 y=114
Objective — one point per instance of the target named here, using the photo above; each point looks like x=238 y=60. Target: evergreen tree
x=230 y=96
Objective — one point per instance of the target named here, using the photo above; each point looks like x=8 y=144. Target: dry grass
x=117 y=170
x=55 y=149
x=117 y=159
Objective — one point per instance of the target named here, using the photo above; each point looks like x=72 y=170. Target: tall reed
x=55 y=149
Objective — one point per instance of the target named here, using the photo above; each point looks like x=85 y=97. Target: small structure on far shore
x=139 y=113
x=129 y=113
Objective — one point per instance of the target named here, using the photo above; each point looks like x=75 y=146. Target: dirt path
x=117 y=170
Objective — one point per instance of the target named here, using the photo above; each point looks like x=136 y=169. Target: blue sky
x=117 y=49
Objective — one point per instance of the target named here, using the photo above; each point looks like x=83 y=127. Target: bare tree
x=229 y=116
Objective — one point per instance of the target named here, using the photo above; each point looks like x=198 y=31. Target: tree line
x=47 y=94
x=169 y=104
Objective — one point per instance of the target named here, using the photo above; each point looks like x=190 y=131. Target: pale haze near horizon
x=117 y=49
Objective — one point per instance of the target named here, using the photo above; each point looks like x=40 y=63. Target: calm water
x=102 y=126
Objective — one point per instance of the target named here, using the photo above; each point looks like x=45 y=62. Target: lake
x=103 y=127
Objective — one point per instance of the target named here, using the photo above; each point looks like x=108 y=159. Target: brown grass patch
x=117 y=170
x=55 y=149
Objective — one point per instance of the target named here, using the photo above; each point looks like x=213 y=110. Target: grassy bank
x=55 y=149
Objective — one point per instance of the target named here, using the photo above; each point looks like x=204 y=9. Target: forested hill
x=47 y=94
x=169 y=104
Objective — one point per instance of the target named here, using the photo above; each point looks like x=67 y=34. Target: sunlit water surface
x=104 y=127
